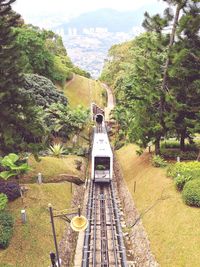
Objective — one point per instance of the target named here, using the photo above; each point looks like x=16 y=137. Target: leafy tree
x=19 y=124
x=185 y=83
x=35 y=57
x=42 y=91
x=43 y=53
x=63 y=121
x=180 y=83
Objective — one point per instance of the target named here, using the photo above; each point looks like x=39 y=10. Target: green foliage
x=13 y=166
x=155 y=77
x=140 y=151
x=175 y=144
x=3 y=201
x=61 y=71
x=63 y=121
x=42 y=91
x=182 y=172
x=6 y=229
x=158 y=161
x=191 y=193
x=57 y=150
x=181 y=180
x=43 y=53
x=19 y=122
x=81 y=72
x=174 y=153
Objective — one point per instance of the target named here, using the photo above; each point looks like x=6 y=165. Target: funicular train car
x=102 y=156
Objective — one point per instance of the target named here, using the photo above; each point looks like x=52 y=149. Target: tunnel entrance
x=99 y=118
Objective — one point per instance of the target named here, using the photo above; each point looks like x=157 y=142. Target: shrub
x=6 y=228
x=81 y=152
x=191 y=193
x=158 y=161
x=174 y=153
x=3 y=201
x=176 y=145
x=56 y=150
x=181 y=180
x=13 y=166
x=10 y=189
x=183 y=172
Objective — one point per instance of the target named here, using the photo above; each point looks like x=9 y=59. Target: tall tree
x=184 y=74
x=19 y=124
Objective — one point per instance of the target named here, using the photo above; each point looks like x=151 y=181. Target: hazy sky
x=31 y=8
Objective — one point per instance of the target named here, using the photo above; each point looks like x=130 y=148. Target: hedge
x=191 y=193
x=174 y=153
x=182 y=172
x=6 y=229
x=176 y=145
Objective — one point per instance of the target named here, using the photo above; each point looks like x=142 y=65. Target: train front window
x=102 y=163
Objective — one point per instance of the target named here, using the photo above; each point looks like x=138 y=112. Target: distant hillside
x=113 y=20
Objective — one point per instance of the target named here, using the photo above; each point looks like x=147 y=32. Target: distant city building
x=61 y=32
x=72 y=32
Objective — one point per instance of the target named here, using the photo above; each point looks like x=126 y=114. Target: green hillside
x=172 y=227
x=84 y=91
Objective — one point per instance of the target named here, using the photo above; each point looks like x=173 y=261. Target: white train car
x=102 y=157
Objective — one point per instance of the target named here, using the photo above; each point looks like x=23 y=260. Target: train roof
x=101 y=145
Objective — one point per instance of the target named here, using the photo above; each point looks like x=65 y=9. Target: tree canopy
x=156 y=76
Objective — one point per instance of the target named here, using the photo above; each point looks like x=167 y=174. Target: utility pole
x=54 y=233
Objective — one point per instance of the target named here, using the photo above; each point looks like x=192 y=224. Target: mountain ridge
x=113 y=20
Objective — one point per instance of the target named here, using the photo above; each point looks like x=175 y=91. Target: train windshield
x=102 y=163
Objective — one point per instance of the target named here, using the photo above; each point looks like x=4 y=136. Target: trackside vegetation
x=156 y=79
x=172 y=227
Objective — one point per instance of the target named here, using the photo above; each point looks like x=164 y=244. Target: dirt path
x=70 y=81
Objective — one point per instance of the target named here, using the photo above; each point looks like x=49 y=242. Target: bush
x=191 y=193
x=57 y=150
x=158 y=161
x=10 y=189
x=3 y=201
x=176 y=145
x=181 y=180
x=183 y=172
x=174 y=153
x=6 y=228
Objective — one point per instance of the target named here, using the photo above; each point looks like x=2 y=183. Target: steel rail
x=118 y=229
x=95 y=199
x=104 y=237
x=86 y=246
x=111 y=213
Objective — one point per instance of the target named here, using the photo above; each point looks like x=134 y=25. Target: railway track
x=103 y=243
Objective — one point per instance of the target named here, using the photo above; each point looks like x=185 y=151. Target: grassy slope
x=83 y=91
x=51 y=167
x=173 y=228
x=31 y=243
